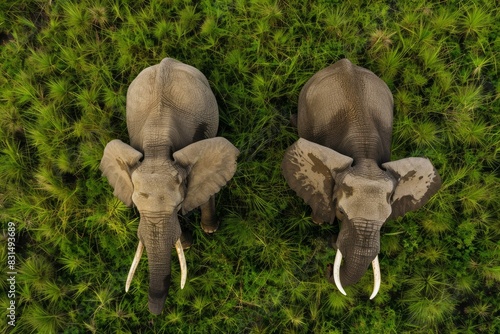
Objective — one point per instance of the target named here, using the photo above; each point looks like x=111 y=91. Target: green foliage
x=64 y=71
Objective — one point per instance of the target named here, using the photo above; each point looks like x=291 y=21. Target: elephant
x=340 y=166
x=174 y=163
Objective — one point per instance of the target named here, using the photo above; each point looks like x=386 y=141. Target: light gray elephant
x=341 y=165
x=174 y=163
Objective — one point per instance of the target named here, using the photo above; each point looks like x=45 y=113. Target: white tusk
x=336 y=272
x=182 y=261
x=376 y=277
x=133 y=267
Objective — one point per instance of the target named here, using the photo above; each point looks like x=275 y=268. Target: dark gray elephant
x=341 y=165
x=173 y=163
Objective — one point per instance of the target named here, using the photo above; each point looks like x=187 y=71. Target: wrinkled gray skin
x=341 y=165
x=172 y=118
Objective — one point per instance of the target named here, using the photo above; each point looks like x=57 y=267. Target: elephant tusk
x=376 y=277
x=336 y=272
x=133 y=267
x=182 y=261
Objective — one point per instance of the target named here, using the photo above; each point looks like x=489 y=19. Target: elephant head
x=159 y=188
x=362 y=195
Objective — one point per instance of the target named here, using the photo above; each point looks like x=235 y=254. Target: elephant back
x=349 y=109
x=170 y=104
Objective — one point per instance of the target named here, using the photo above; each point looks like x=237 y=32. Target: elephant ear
x=310 y=170
x=210 y=164
x=117 y=164
x=417 y=181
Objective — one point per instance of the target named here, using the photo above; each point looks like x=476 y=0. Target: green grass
x=64 y=71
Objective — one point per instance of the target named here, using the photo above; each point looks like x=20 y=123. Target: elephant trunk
x=359 y=246
x=355 y=267
x=159 y=235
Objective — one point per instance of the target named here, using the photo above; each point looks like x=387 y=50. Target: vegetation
x=65 y=69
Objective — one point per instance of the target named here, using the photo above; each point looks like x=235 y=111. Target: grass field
x=65 y=68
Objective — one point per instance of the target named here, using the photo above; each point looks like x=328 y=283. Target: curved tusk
x=376 y=277
x=182 y=261
x=336 y=272
x=135 y=263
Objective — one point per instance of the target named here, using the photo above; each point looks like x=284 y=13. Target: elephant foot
x=186 y=239
x=210 y=226
x=317 y=220
x=332 y=241
x=209 y=220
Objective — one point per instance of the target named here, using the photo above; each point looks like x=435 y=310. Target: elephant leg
x=293 y=120
x=186 y=239
x=209 y=220
x=332 y=241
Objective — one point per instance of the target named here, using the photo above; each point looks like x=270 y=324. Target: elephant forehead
x=353 y=185
x=365 y=198
x=156 y=180
x=156 y=193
